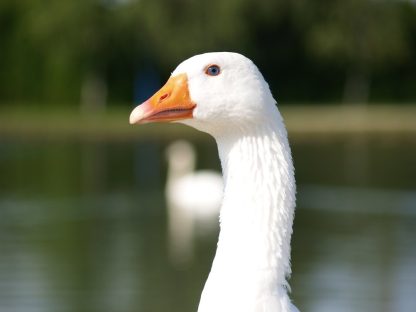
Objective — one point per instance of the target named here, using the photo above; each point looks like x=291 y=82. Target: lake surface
x=83 y=226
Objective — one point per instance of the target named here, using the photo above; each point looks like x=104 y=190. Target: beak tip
x=135 y=116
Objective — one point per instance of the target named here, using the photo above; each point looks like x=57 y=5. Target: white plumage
x=225 y=95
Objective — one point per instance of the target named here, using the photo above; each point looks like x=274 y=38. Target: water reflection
x=83 y=227
x=358 y=252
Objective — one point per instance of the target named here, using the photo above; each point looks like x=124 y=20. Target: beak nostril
x=164 y=96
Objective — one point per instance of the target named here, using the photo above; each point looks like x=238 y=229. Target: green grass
x=301 y=121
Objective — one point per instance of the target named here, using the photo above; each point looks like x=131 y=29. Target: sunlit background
x=85 y=224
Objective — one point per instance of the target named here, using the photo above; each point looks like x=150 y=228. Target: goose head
x=212 y=92
x=225 y=95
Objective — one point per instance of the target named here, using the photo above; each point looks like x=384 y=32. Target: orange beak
x=172 y=102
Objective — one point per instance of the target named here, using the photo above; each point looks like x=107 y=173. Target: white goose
x=193 y=200
x=225 y=95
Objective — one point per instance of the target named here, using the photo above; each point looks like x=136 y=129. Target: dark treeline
x=94 y=52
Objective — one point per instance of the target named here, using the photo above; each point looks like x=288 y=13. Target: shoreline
x=301 y=121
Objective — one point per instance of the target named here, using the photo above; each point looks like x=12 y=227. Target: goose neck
x=257 y=213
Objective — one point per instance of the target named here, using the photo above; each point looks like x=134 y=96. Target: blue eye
x=213 y=70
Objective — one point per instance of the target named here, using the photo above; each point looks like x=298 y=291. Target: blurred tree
x=90 y=51
x=72 y=37
x=173 y=30
x=359 y=35
x=59 y=51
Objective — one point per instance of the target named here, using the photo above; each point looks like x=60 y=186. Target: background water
x=83 y=226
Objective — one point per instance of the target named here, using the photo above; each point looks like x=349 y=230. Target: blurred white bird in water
x=193 y=201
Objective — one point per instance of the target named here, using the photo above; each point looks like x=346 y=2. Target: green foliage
x=51 y=50
x=355 y=31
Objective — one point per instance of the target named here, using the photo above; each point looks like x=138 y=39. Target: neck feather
x=257 y=212
x=256 y=217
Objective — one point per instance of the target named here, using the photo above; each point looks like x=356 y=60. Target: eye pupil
x=213 y=70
